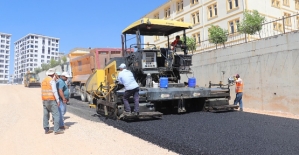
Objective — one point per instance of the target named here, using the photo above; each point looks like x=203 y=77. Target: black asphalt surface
x=209 y=133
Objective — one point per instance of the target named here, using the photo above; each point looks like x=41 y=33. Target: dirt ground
x=21 y=130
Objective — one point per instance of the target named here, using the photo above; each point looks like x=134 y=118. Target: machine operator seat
x=180 y=49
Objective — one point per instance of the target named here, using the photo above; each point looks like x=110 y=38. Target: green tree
x=190 y=43
x=217 y=35
x=64 y=59
x=252 y=23
x=37 y=70
x=45 y=66
x=54 y=63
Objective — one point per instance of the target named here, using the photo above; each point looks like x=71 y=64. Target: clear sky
x=78 y=23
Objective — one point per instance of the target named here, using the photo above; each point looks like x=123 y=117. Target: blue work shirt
x=126 y=78
x=62 y=85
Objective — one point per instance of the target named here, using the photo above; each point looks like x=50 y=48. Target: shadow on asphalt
x=70 y=123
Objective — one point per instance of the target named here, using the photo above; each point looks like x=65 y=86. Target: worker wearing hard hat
x=239 y=91
x=50 y=102
x=126 y=78
x=63 y=97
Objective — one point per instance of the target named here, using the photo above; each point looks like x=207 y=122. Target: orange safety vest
x=47 y=93
x=239 y=87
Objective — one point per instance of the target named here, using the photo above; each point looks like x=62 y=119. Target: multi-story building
x=32 y=51
x=4 y=57
x=225 y=14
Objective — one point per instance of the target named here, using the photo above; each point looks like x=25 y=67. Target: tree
x=252 y=23
x=54 y=63
x=37 y=70
x=217 y=35
x=45 y=66
x=64 y=59
x=190 y=43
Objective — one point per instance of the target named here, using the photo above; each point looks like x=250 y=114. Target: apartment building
x=4 y=57
x=225 y=14
x=31 y=51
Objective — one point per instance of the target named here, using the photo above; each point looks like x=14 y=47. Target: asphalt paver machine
x=158 y=72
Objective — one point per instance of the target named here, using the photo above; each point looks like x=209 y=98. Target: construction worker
x=177 y=41
x=50 y=102
x=126 y=78
x=63 y=97
x=239 y=91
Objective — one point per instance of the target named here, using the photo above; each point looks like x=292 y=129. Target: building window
x=275 y=3
x=286 y=2
x=156 y=38
x=181 y=20
x=180 y=5
x=115 y=52
x=297 y=4
x=198 y=38
x=232 y=4
x=287 y=20
x=297 y=21
x=212 y=10
x=194 y=2
x=156 y=16
x=277 y=26
x=167 y=12
x=233 y=25
x=195 y=17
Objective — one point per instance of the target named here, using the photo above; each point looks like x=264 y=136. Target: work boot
x=64 y=127
x=135 y=113
x=47 y=131
x=58 y=132
x=241 y=109
x=127 y=113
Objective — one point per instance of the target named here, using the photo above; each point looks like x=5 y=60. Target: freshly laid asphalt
x=208 y=133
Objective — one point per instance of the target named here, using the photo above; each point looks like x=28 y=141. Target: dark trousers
x=128 y=93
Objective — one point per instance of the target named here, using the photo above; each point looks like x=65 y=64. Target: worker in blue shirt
x=63 y=97
x=126 y=78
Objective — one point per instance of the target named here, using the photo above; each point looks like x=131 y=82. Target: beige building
x=225 y=14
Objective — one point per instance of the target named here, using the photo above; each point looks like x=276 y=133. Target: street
x=236 y=132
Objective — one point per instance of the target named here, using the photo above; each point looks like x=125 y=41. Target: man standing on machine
x=126 y=78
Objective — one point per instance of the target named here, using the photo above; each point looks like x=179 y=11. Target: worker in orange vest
x=50 y=102
x=239 y=91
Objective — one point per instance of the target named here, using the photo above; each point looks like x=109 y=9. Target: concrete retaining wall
x=268 y=67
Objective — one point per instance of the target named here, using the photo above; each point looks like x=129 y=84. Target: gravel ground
x=210 y=133
x=21 y=130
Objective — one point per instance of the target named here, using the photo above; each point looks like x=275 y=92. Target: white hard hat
x=122 y=65
x=66 y=74
x=51 y=71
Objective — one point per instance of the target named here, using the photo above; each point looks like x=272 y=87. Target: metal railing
x=269 y=29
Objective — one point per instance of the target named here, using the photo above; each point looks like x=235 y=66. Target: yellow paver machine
x=158 y=73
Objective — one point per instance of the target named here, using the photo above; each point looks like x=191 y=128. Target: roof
x=159 y=27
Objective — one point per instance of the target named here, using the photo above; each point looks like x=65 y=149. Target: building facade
x=32 y=51
x=225 y=14
x=4 y=57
